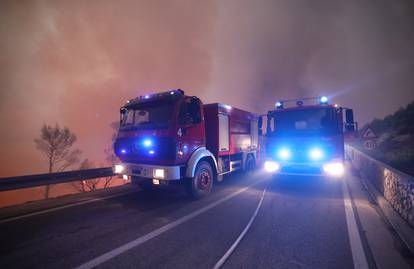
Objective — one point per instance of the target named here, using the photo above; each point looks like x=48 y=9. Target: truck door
x=190 y=131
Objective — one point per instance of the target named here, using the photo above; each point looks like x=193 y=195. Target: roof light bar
x=323 y=100
x=157 y=95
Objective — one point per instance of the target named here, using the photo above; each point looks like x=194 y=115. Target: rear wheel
x=202 y=182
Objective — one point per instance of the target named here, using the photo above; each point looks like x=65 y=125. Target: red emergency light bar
x=323 y=100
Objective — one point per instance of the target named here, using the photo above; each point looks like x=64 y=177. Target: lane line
x=62 y=207
x=358 y=254
x=140 y=240
x=230 y=251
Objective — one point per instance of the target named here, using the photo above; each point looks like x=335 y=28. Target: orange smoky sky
x=76 y=62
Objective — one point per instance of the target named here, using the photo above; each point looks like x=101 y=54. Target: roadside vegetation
x=58 y=145
x=395 y=142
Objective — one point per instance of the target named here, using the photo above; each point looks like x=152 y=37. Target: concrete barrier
x=396 y=187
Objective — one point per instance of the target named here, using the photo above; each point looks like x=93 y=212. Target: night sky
x=76 y=62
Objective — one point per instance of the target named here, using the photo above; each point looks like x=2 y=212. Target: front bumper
x=332 y=168
x=148 y=171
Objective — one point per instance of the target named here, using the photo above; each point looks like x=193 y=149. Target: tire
x=202 y=183
x=250 y=164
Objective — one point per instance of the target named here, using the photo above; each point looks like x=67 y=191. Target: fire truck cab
x=307 y=137
x=170 y=137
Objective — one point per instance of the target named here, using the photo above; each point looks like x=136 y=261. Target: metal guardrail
x=21 y=182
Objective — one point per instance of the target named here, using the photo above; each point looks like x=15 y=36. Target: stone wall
x=396 y=186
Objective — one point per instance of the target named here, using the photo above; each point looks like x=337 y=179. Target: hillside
x=396 y=139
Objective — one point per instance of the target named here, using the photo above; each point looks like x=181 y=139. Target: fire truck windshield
x=304 y=121
x=155 y=114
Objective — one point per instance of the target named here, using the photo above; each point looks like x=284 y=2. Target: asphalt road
x=300 y=223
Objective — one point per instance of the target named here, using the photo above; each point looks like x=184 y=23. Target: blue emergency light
x=147 y=143
x=323 y=100
x=279 y=104
x=284 y=154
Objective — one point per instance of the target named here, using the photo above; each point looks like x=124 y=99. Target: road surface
x=253 y=221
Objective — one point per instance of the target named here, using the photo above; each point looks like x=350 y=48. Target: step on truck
x=169 y=137
x=306 y=137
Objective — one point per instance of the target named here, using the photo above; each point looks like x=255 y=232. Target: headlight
x=118 y=169
x=334 y=169
x=316 y=154
x=271 y=166
x=159 y=173
x=284 y=154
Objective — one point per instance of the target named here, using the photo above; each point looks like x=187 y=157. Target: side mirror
x=349 y=120
x=122 y=113
x=260 y=125
x=349 y=115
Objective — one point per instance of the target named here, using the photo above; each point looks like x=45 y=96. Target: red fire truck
x=171 y=137
x=307 y=138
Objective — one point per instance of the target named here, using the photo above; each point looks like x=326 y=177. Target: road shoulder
x=384 y=245
x=52 y=204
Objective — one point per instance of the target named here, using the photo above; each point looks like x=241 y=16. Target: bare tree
x=111 y=158
x=56 y=144
x=90 y=184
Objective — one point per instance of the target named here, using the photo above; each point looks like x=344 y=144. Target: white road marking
x=140 y=240
x=60 y=207
x=223 y=259
x=358 y=254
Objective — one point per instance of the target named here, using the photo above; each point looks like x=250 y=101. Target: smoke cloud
x=76 y=62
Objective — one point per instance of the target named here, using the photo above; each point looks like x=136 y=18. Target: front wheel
x=202 y=182
x=250 y=164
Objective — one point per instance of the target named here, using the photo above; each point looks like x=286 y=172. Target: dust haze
x=76 y=62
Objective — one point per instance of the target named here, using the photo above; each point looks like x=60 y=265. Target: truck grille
x=300 y=154
x=301 y=170
x=131 y=148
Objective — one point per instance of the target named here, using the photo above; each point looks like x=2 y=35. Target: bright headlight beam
x=159 y=173
x=271 y=166
x=118 y=169
x=334 y=169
